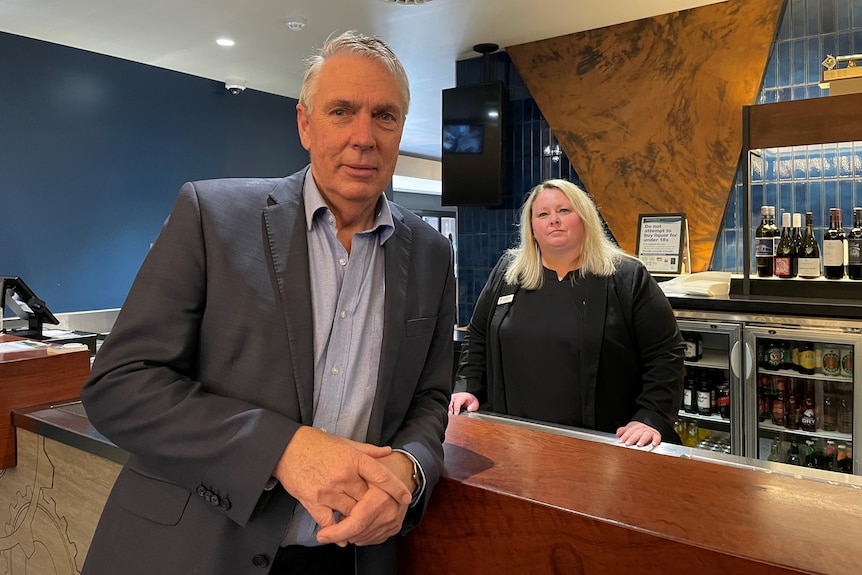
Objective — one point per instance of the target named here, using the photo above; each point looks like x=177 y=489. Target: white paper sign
x=661 y=238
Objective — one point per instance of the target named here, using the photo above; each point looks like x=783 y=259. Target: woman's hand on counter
x=640 y=434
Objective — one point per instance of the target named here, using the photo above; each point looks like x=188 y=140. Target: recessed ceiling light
x=225 y=42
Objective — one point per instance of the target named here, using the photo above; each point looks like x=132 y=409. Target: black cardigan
x=633 y=359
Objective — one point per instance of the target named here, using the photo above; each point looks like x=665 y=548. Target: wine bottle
x=764 y=245
x=776 y=234
x=809 y=254
x=833 y=247
x=797 y=240
x=785 y=254
x=854 y=247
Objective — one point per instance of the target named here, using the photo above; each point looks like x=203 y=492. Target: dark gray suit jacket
x=207 y=374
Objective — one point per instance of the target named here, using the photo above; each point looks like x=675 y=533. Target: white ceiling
x=429 y=36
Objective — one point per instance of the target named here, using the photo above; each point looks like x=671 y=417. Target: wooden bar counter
x=515 y=499
x=35 y=375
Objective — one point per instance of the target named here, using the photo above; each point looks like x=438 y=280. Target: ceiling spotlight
x=295 y=23
x=227 y=42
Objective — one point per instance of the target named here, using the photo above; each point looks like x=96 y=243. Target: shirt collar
x=315 y=206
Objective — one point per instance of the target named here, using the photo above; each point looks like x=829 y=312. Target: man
x=281 y=368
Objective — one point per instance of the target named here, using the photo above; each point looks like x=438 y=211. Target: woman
x=571 y=330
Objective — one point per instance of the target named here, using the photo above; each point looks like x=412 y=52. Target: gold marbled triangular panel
x=650 y=112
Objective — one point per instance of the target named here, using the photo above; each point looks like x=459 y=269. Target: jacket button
x=201 y=490
x=224 y=504
x=214 y=500
x=260 y=561
x=208 y=496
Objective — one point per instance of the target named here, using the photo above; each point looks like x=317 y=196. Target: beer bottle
x=809 y=456
x=854 y=247
x=830 y=407
x=793 y=457
x=829 y=455
x=845 y=410
x=775 y=450
x=833 y=247
x=774 y=354
x=793 y=406
x=809 y=254
x=723 y=400
x=785 y=254
x=778 y=401
x=764 y=245
x=787 y=355
x=693 y=345
x=704 y=395
x=689 y=401
x=807 y=358
x=809 y=408
x=842 y=462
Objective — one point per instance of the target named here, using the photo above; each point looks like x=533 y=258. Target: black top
x=631 y=354
x=545 y=326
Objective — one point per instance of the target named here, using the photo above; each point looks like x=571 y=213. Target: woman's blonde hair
x=598 y=253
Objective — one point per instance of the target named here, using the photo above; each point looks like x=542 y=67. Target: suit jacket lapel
x=284 y=226
x=397 y=249
x=594 y=331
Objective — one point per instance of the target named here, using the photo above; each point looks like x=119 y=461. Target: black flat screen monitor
x=472 y=171
x=18 y=297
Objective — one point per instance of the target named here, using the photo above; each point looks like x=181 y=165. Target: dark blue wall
x=94 y=151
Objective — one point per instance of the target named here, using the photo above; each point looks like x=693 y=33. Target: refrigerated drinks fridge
x=801 y=398
x=772 y=388
x=711 y=413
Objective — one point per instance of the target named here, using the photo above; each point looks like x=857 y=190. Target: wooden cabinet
x=34 y=376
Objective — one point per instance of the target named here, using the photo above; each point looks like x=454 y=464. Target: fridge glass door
x=711 y=414
x=801 y=396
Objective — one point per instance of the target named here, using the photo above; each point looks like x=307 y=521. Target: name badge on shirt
x=505 y=299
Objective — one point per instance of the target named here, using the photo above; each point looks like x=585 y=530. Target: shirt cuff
x=420 y=476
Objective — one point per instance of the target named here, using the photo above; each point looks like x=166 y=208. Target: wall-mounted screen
x=472 y=168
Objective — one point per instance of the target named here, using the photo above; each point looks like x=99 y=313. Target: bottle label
x=764 y=248
x=774 y=357
x=833 y=253
x=809 y=267
x=807 y=359
x=854 y=251
x=686 y=398
x=809 y=418
x=782 y=266
x=831 y=361
x=704 y=402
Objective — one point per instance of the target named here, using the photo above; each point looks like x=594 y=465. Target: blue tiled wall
x=799 y=179
x=803 y=178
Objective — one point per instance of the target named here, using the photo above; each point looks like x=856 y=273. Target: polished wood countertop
x=604 y=502
x=532 y=499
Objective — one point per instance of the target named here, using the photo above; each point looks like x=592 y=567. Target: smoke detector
x=295 y=23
